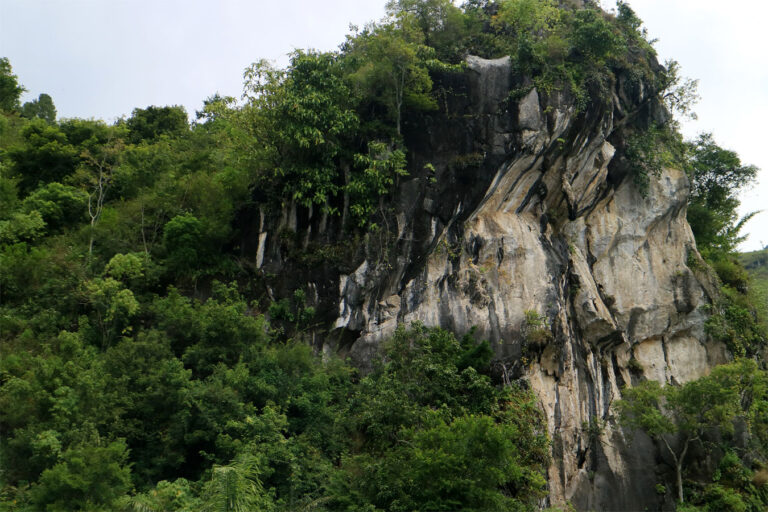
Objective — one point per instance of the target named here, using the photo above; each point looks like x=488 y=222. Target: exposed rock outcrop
x=530 y=209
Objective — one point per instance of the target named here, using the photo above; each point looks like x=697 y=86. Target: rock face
x=530 y=214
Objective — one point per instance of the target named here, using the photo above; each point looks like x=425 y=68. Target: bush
x=183 y=240
x=731 y=273
x=22 y=227
x=59 y=205
x=46 y=156
x=89 y=477
x=536 y=330
x=152 y=122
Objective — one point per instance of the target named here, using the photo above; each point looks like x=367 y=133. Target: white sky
x=102 y=58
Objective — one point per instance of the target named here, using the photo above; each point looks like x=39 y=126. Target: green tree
x=89 y=477
x=89 y=134
x=178 y=495
x=680 y=415
x=47 y=155
x=679 y=94
x=422 y=422
x=528 y=18
x=59 y=205
x=183 y=240
x=305 y=114
x=236 y=487
x=152 y=122
x=215 y=331
x=379 y=170
x=538 y=36
x=9 y=195
x=391 y=67
x=10 y=90
x=126 y=267
x=444 y=26
x=717 y=175
x=51 y=401
x=97 y=173
x=42 y=108
x=22 y=227
x=423 y=368
x=113 y=305
x=596 y=38
x=471 y=463
x=152 y=390
x=214 y=108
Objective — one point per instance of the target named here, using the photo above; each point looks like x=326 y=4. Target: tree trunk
x=399 y=92
x=143 y=236
x=93 y=226
x=678 y=466
x=346 y=197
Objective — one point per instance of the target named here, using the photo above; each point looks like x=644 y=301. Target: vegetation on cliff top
x=132 y=378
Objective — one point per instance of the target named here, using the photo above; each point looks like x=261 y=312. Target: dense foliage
x=723 y=412
x=205 y=407
x=739 y=317
x=133 y=379
x=138 y=369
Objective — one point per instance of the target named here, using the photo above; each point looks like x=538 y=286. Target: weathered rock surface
x=530 y=209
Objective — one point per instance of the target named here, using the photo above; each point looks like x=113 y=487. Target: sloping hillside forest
x=145 y=366
x=756 y=264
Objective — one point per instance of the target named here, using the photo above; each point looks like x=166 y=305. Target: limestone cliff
x=529 y=208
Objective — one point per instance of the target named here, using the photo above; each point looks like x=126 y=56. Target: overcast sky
x=102 y=58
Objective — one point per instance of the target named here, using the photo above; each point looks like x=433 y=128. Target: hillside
x=467 y=262
x=756 y=264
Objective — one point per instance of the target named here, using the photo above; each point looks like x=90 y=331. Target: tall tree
x=679 y=416
x=99 y=168
x=305 y=115
x=152 y=122
x=42 y=108
x=444 y=26
x=10 y=89
x=391 y=61
x=717 y=176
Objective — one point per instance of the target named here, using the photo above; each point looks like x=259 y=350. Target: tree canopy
x=717 y=176
x=734 y=395
x=42 y=108
x=10 y=89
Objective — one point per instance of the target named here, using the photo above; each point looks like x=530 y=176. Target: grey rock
x=529 y=112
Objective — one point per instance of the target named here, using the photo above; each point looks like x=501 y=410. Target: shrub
x=59 y=205
x=183 y=239
x=536 y=330
x=87 y=478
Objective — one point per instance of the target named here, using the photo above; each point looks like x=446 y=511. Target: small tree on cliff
x=680 y=415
